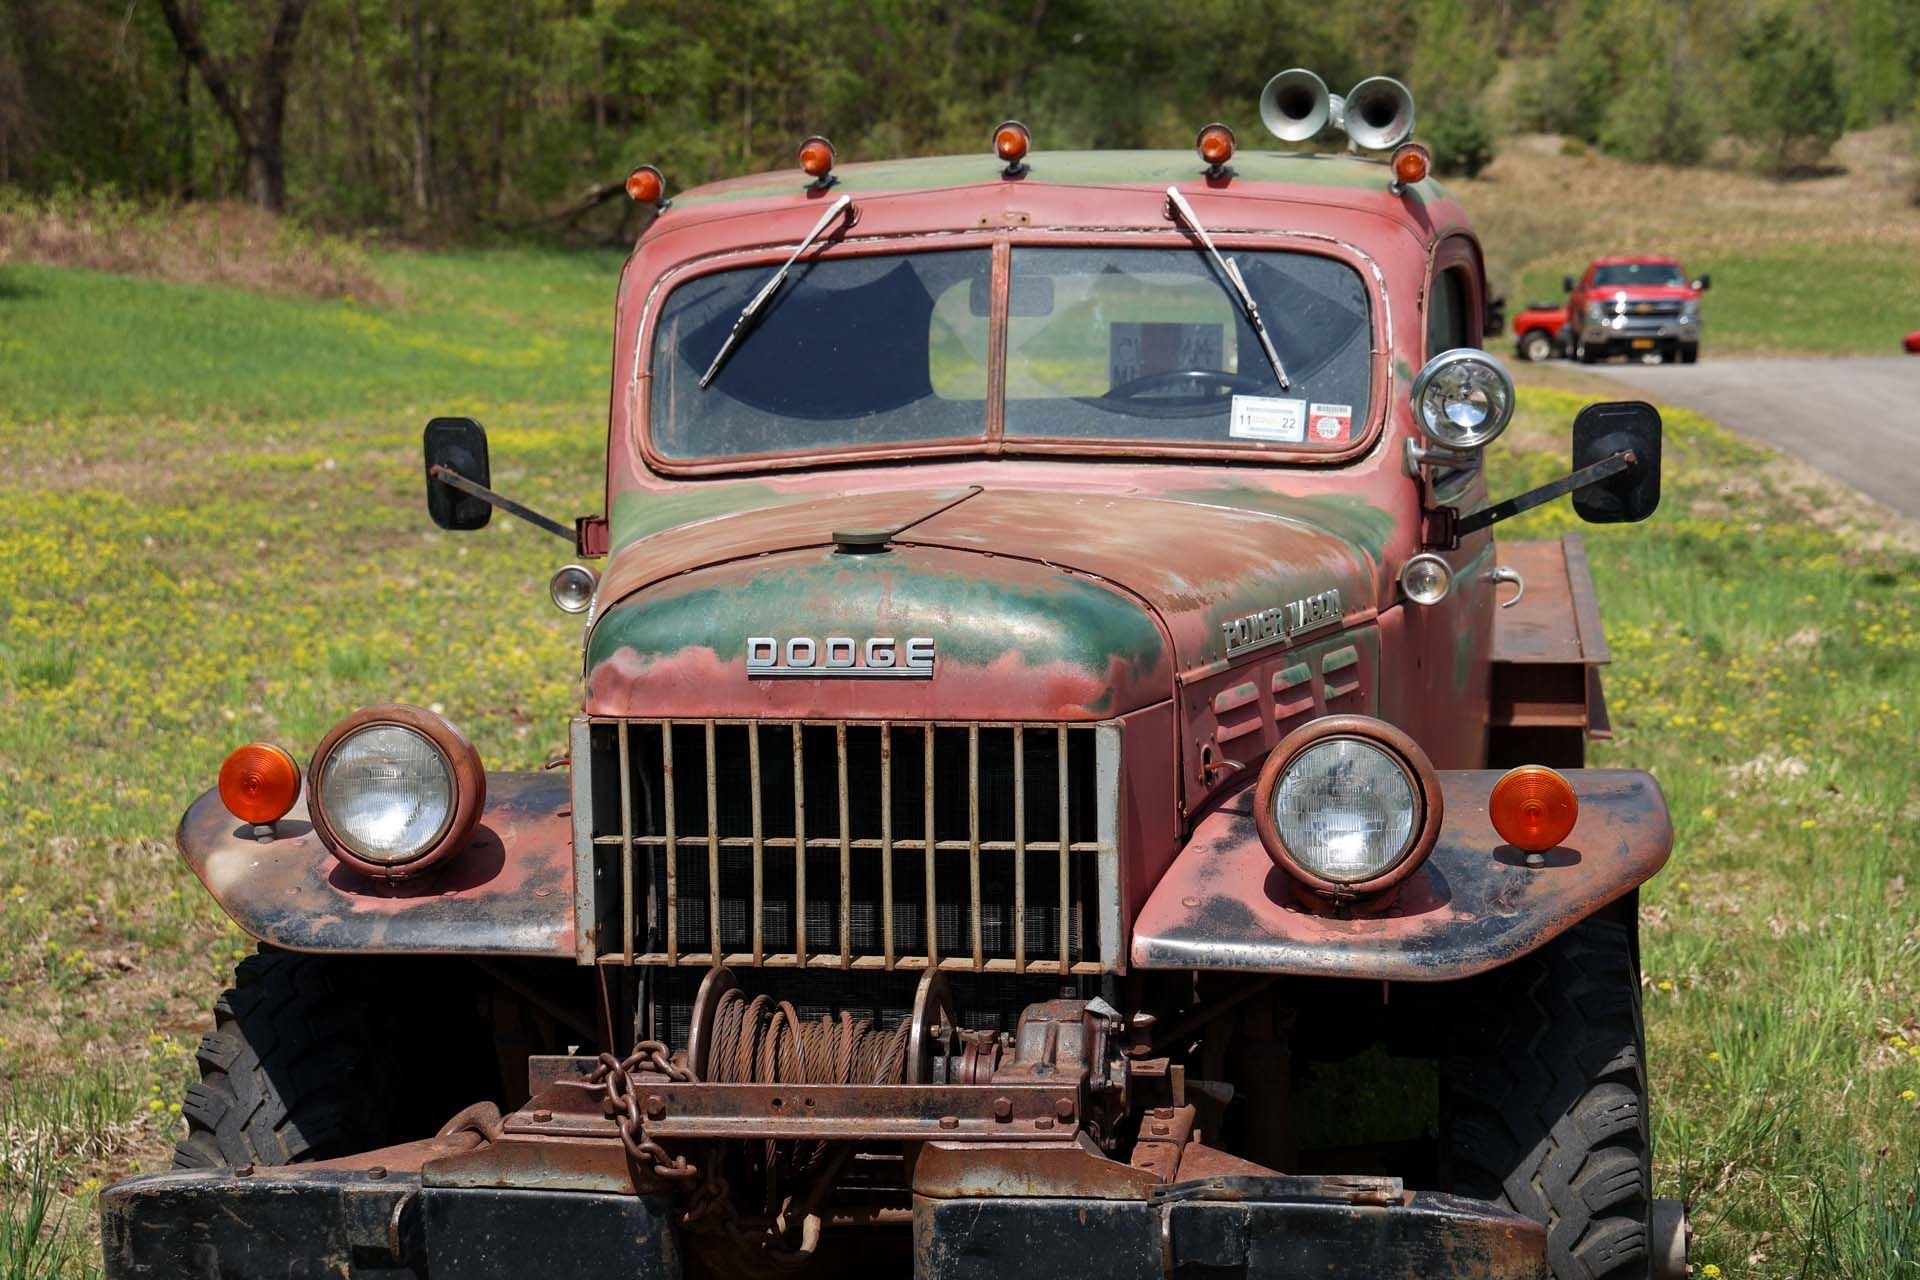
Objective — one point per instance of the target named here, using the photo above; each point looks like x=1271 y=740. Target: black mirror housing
x=459 y=445
x=1566 y=284
x=1704 y=283
x=1603 y=430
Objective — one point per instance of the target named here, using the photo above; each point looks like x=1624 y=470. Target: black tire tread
x=1545 y=1101
x=304 y=1063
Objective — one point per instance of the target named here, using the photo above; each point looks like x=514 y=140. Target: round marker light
x=1533 y=808
x=394 y=790
x=572 y=588
x=1347 y=805
x=259 y=783
x=1011 y=142
x=1411 y=163
x=1426 y=579
x=1215 y=145
x=1463 y=399
x=646 y=185
x=816 y=157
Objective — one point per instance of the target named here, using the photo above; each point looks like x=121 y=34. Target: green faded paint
x=638 y=515
x=1464 y=648
x=1352 y=519
x=979 y=617
x=1066 y=168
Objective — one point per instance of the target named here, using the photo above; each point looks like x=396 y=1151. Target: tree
x=258 y=111
x=1795 y=109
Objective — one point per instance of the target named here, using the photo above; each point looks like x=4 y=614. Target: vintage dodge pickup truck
x=1066 y=782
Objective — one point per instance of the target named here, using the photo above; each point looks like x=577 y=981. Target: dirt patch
x=230 y=244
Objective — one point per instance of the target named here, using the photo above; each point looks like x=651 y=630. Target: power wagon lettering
x=840 y=656
x=1271 y=626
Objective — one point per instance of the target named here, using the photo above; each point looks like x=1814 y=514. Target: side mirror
x=1603 y=430
x=459 y=445
x=1566 y=284
x=1496 y=317
x=1704 y=283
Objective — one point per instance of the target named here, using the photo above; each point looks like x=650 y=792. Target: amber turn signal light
x=1011 y=141
x=1533 y=808
x=1410 y=164
x=816 y=157
x=1215 y=145
x=259 y=783
x=646 y=185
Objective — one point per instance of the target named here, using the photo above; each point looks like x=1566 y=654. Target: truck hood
x=1039 y=604
x=1647 y=292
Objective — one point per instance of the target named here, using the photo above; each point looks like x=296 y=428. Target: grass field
x=211 y=530
x=1827 y=265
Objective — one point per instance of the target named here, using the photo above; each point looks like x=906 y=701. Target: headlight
x=394 y=790
x=1599 y=310
x=1463 y=399
x=1690 y=309
x=1348 y=806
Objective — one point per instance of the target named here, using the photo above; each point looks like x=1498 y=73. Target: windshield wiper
x=1230 y=271
x=744 y=321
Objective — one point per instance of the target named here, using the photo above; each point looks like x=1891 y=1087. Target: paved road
x=1857 y=419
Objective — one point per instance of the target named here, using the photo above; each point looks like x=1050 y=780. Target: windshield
x=1631 y=273
x=1102 y=344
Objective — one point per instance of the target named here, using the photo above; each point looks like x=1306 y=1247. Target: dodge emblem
x=840 y=657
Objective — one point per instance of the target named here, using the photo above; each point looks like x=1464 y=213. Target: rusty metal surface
x=1474 y=904
x=548 y=1162
x=1557 y=619
x=510 y=892
x=679 y=1111
x=1073 y=1168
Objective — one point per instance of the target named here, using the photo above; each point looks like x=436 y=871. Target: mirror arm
x=454 y=480
x=1612 y=465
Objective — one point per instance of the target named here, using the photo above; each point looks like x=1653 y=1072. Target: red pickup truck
x=1634 y=305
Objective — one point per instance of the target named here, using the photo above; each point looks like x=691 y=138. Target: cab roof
x=1063 y=168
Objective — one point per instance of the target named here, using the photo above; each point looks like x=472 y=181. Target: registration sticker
x=1268 y=418
x=1330 y=423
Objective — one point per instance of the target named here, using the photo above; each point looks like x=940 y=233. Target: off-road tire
x=1585 y=354
x=1536 y=346
x=318 y=1056
x=1689 y=352
x=1544 y=1100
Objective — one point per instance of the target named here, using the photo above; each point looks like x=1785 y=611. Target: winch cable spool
x=754 y=1040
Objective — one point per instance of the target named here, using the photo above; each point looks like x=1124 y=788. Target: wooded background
x=445 y=117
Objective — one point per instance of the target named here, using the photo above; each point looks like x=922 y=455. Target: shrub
x=1461 y=141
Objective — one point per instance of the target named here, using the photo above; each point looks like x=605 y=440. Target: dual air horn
x=1377 y=114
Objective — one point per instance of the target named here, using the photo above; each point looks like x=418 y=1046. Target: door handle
x=1507 y=573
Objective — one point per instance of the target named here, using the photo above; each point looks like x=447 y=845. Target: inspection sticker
x=1330 y=423
x=1268 y=418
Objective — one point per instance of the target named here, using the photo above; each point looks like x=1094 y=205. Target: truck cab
x=1065 y=778
x=1640 y=306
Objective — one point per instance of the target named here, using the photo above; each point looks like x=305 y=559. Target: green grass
x=194 y=555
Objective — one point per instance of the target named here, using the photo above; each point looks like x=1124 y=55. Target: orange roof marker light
x=1411 y=163
x=647 y=185
x=1215 y=145
x=1534 y=809
x=816 y=161
x=259 y=783
x=1011 y=142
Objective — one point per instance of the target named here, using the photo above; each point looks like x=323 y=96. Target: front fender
x=1474 y=904
x=508 y=893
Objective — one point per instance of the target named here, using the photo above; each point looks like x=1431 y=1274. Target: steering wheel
x=1199 y=379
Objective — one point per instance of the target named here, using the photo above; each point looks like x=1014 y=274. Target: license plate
x=1643 y=344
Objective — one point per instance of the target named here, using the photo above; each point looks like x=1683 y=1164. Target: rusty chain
x=622 y=1105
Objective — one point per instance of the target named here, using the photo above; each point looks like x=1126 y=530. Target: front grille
x=845 y=844
x=1662 y=308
